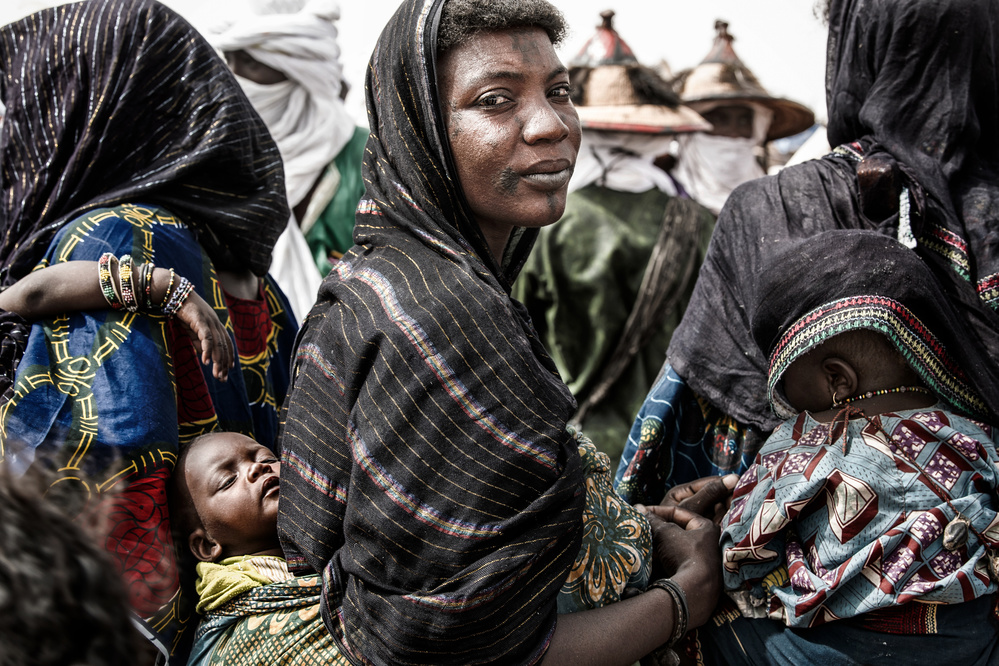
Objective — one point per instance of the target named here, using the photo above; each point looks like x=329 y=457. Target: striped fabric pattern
x=429 y=474
x=116 y=101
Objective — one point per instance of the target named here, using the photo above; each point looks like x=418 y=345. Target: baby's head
x=224 y=498
x=845 y=366
x=846 y=312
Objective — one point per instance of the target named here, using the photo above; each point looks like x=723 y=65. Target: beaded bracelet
x=107 y=281
x=166 y=294
x=177 y=298
x=148 y=286
x=127 y=283
x=680 y=601
x=140 y=278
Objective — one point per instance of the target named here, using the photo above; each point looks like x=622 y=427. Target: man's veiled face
x=734 y=121
x=513 y=130
x=243 y=64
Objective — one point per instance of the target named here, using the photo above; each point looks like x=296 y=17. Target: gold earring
x=835 y=398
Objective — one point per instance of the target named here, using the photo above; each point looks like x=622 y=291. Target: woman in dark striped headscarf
x=428 y=472
x=126 y=133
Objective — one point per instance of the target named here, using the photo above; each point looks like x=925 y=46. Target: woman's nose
x=545 y=124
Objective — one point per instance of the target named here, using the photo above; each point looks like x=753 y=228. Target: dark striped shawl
x=427 y=470
x=117 y=101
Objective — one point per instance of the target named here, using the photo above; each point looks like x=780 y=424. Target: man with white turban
x=286 y=57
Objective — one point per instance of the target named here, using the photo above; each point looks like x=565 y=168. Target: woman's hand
x=208 y=334
x=709 y=496
x=686 y=550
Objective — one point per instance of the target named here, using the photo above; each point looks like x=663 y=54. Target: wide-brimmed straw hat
x=722 y=77
x=615 y=92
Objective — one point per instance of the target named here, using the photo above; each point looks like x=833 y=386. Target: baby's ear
x=203 y=547
x=840 y=376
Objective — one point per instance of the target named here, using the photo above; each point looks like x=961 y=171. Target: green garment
x=580 y=283
x=333 y=231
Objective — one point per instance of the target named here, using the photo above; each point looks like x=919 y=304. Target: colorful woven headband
x=917 y=344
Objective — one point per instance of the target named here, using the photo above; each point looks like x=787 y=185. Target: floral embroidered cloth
x=615 y=558
x=826 y=525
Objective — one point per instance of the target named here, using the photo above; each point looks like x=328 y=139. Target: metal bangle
x=679 y=601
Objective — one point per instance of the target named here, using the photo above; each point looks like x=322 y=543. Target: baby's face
x=234 y=483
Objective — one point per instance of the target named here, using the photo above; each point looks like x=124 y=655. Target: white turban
x=622 y=161
x=304 y=114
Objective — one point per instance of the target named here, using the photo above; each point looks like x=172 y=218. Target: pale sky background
x=781 y=41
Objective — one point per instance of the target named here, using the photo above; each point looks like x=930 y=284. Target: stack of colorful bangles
x=134 y=288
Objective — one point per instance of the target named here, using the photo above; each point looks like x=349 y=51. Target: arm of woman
x=686 y=549
x=66 y=287
x=73 y=287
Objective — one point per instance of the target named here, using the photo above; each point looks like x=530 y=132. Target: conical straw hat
x=606 y=71
x=722 y=77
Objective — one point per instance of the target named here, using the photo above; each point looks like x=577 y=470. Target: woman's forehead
x=512 y=54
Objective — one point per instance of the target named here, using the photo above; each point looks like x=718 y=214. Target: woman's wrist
x=681 y=613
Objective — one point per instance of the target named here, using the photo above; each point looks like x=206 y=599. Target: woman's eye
x=493 y=100
x=561 y=91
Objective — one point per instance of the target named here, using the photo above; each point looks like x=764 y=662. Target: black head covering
x=414 y=117
x=921 y=78
x=114 y=101
x=912 y=86
x=845 y=280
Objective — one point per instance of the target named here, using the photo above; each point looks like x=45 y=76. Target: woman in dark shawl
x=126 y=133
x=913 y=96
x=427 y=469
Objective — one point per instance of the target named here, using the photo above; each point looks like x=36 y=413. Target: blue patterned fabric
x=678 y=437
x=831 y=523
x=106 y=397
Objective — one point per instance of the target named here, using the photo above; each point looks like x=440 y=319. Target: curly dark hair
x=62 y=601
x=462 y=19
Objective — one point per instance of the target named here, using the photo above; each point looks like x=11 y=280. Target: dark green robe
x=580 y=283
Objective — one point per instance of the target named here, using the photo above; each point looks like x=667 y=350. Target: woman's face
x=514 y=133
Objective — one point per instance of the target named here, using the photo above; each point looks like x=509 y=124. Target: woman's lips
x=549 y=179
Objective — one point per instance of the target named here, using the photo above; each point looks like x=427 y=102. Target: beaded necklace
x=874 y=394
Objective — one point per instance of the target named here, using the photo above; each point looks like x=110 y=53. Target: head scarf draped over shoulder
x=410 y=146
x=920 y=77
x=115 y=101
x=430 y=474
x=910 y=84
